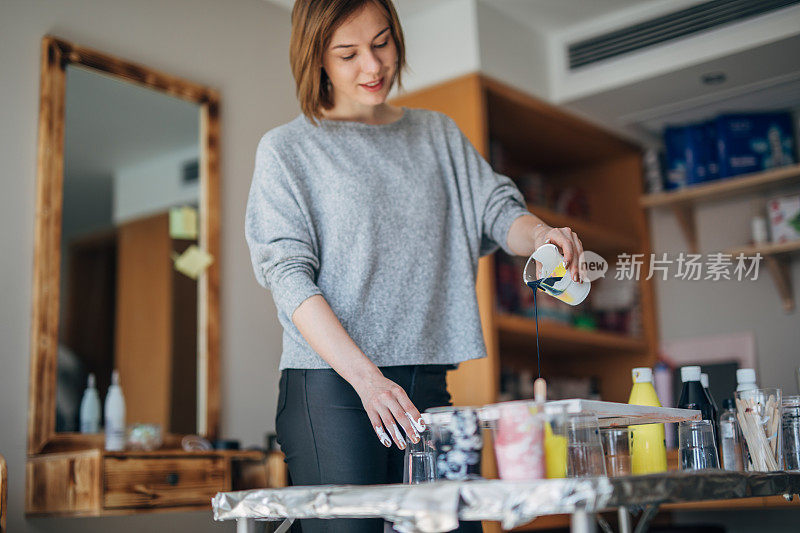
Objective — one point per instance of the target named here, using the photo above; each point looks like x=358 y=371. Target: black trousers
x=327 y=437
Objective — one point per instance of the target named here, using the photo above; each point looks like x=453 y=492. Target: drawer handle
x=173 y=478
x=143 y=489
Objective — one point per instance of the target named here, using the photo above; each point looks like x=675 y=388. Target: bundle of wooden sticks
x=760 y=424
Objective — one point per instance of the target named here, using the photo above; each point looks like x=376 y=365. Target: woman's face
x=362 y=52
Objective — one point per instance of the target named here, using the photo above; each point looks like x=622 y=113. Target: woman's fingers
x=400 y=417
x=571 y=248
x=377 y=425
x=391 y=426
x=411 y=411
x=578 y=254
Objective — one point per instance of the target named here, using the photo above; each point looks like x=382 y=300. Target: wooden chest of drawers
x=98 y=483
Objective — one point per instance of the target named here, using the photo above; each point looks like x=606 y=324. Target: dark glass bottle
x=693 y=393
x=714 y=409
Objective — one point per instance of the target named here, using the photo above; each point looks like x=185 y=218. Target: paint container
x=555 y=279
x=519 y=441
x=456 y=436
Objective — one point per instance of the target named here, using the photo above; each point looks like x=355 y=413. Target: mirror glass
x=130 y=208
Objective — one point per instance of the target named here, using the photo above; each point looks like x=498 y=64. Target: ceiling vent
x=668 y=28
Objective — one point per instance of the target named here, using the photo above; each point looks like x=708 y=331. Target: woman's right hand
x=389 y=409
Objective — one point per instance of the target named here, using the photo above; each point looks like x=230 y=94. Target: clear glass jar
x=790 y=422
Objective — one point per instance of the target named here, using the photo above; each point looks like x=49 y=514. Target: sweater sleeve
x=277 y=230
x=497 y=201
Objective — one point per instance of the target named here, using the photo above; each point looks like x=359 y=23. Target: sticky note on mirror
x=193 y=262
x=183 y=222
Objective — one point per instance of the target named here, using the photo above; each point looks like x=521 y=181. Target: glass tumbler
x=759 y=415
x=457 y=439
x=419 y=465
x=616 y=445
x=696 y=447
x=585 y=456
x=790 y=422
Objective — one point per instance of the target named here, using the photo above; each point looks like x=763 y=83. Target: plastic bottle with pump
x=90 y=408
x=115 y=416
x=692 y=393
x=648 y=448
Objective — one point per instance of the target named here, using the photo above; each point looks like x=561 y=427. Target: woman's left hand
x=565 y=239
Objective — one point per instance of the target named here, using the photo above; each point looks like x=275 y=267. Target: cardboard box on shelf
x=754 y=142
x=784 y=218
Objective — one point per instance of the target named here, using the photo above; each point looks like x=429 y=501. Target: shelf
x=766 y=249
x=776 y=257
x=726 y=187
x=568 y=338
x=593 y=236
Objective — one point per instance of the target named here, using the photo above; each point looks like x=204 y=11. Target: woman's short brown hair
x=313 y=25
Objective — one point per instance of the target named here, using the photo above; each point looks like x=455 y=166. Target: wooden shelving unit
x=594 y=236
x=568 y=338
x=725 y=188
x=776 y=256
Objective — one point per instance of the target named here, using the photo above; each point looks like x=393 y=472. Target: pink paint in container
x=519 y=440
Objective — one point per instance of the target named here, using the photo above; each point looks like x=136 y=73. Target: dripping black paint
x=534 y=285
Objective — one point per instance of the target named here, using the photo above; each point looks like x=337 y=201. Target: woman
x=366 y=221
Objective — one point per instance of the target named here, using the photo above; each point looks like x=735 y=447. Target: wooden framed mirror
x=127 y=181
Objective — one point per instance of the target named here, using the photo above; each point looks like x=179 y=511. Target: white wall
x=441 y=43
x=154 y=185
x=239 y=47
x=512 y=52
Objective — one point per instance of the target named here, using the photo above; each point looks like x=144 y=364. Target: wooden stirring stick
x=540 y=390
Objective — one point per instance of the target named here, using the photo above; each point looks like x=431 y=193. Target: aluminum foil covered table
x=437 y=507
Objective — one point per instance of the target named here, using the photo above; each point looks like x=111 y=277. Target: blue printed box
x=753 y=142
x=690 y=155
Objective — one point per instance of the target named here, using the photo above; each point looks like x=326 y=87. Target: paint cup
x=585 y=456
x=616 y=445
x=519 y=441
x=790 y=422
x=456 y=437
x=555 y=442
x=555 y=279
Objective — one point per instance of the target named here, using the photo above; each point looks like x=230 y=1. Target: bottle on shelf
x=115 y=416
x=704 y=383
x=647 y=444
x=693 y=393
x=730 y=449
x=714 y=410
x=745 y=379
x=90 y=408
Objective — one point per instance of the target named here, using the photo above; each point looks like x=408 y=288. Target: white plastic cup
x=564 y=289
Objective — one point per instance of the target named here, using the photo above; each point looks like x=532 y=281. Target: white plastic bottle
x=90 y=408
x=745 y=379
x=115 y=416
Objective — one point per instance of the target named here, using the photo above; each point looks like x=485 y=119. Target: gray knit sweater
x=387 y=222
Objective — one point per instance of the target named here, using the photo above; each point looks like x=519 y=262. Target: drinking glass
x=696 y=447
x=457 y=440
x=791 y=432
x=616 y=444
x=419 y=461
x=585 y=456
x=759 y=415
